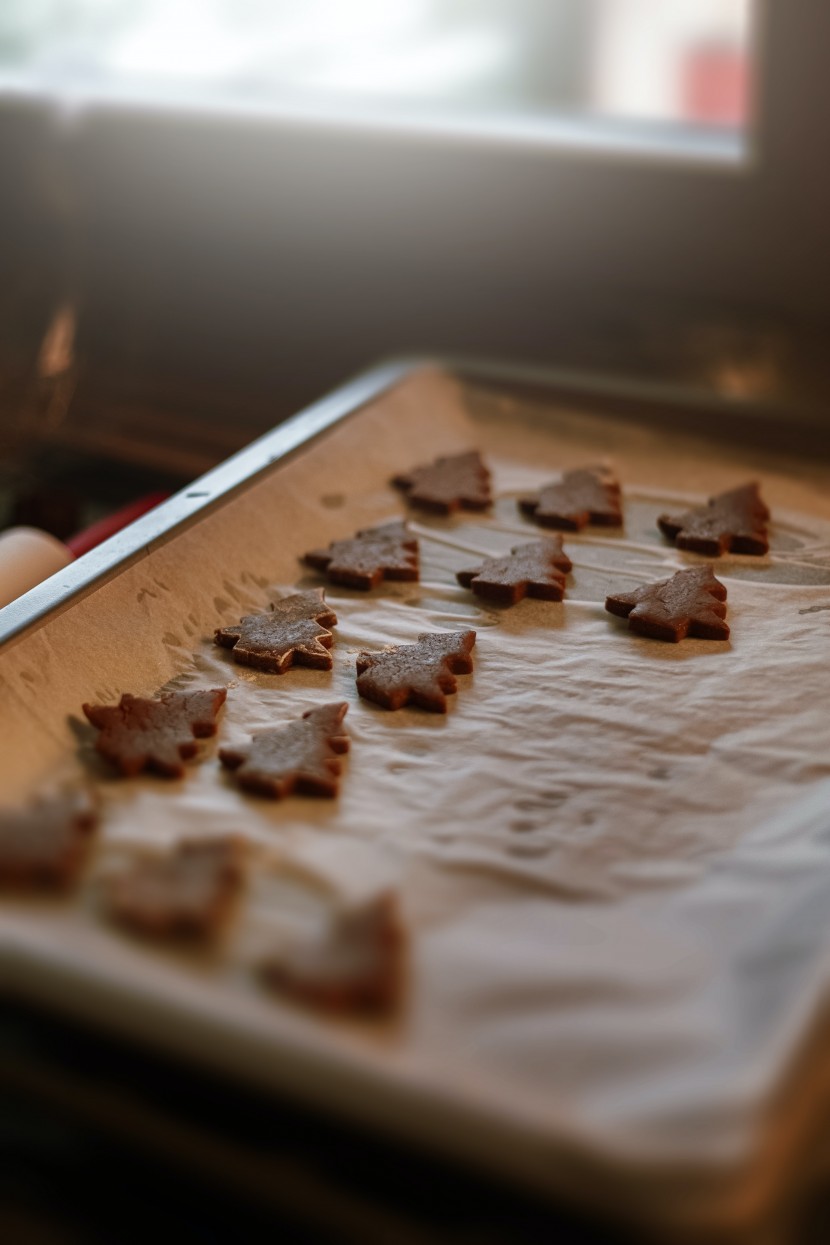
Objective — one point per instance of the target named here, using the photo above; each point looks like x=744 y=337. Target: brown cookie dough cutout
x=138 y=734
x=294 y=632
x=732 y=522
x=534 y=570
x=187 y=894
x=420 y=674
x=300 y=757
x=46 y=844
x=356 y=965
x=691 y=603
x=587 y=495
x=458 y=482
x=371 y=556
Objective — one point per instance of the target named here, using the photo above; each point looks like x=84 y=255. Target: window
x=499 y=65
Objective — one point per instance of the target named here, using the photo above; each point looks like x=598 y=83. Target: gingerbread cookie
x=534 y=570
x=294 y=632
x=138 y=734
x=372 y=555
x=587 y=495
x=691 y=603
x=419 y=674
x=355 y=965
x=47 y=843
x=188 y=893
x=299 y=757
x=459 y=482
x=732 y=522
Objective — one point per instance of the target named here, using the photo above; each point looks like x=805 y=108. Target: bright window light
x=677 y=62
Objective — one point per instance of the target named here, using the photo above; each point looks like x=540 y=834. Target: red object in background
x=714 y=81
x=112 y=523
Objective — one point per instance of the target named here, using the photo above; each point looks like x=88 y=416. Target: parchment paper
x=613 y=854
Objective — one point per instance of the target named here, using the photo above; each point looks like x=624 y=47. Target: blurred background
x=215 y=210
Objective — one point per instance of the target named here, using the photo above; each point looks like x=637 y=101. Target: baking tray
x=557 y=1147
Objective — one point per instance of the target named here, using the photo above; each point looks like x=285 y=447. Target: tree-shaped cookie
x=300 y=757
x=732 y=522
x=354 y=964
x=138 y=734
x=46 y=844
x=295 y=631
x=691 y=603
x=458 y=482
x=419 y=674
x=534 y=570
x=587 y=495
x=372 y=555
x=188 y=893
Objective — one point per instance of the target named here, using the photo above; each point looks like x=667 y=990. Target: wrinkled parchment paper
x=613 y=854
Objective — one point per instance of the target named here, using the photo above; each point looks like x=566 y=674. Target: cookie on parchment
x=186 y=894
x=295 y=631
x=534 y=570
x=587 y=495
x=46 y=844
x=138 y=734
x=356 y=965
x=371 y=556
x=691 y=603
x=456 y=482
x=420 y=674
x=732 y=522
x=302 y=757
